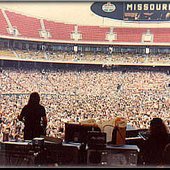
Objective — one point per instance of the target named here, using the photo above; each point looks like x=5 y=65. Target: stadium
x=95 y=61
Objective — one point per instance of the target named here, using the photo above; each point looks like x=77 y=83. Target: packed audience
x=98 y=57
x=103 y=57
x=74 y=95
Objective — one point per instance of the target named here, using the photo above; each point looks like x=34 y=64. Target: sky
x=69 y=12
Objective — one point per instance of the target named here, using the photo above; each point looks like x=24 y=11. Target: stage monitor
x=96 y=139
x=120 y=156
x=77 y=132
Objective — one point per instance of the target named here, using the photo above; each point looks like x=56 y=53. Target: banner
x=133 y=11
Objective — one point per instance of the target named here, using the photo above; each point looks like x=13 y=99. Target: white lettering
x=134 y=7
x=158 y=7
x=145 y=7
x=164 y=6
x=140 y=7
x=129 y=7
x=148 y=6
x=152 y=7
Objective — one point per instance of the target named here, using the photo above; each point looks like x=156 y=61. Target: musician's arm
x=44 y=121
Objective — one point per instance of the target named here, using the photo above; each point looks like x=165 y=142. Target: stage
x=51 y=154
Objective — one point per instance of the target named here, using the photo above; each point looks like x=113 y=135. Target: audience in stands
x=92 y=57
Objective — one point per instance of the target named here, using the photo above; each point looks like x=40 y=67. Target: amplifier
x=16 y=146
x=38 y=144
x=96 y=139
x=112 y=157
x=16 y=154
x=78 y=133
x=38 y=141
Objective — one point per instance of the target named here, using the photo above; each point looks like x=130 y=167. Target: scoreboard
x=133 y=11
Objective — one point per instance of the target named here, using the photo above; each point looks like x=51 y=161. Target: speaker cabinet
x=111 y=157
x=78 y=133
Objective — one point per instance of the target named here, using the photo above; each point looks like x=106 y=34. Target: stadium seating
x=4 y=25
x=29 y=28
x=161 y=35
x=93 y=33
x=129 y=34
x=59 y=31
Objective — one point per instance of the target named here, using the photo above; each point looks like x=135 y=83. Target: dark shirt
x=154 y=149
x=32 y=116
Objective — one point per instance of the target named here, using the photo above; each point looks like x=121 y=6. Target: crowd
x=74 y=95
x=102 y=57
x=92 y=57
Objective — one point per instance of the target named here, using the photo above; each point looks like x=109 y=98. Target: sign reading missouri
x=133 y=11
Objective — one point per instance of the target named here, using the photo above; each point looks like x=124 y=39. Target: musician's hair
x=157 y=127
x=34 y=99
